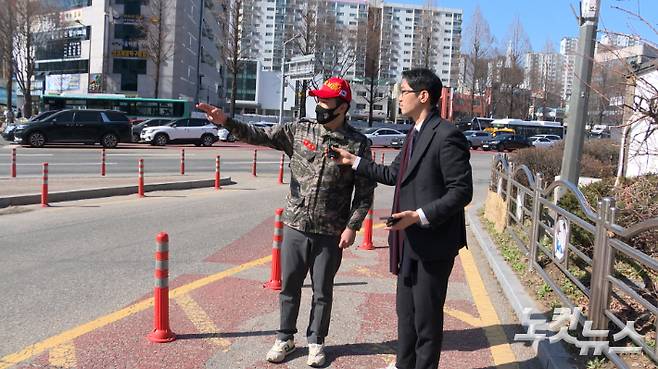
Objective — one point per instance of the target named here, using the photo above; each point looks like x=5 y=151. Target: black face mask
x=324 y=115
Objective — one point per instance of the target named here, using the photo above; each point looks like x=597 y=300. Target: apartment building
x=410 y=36
x=568 y=48
x=543 y=72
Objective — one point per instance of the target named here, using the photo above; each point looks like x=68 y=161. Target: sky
x=552 y=19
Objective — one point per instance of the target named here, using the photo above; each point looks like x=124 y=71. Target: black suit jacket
x=438 y=179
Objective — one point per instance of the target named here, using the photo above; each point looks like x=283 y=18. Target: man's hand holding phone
x=402 y=220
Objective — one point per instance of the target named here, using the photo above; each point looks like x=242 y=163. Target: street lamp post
x=283 y=75
x=89 y=53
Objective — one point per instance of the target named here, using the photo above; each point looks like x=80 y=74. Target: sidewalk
x=226 y=320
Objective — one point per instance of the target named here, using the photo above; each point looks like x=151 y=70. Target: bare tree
x=372 y=34
x=518 y=45
x=35 y=20
x=640 y=103
x=230 y=14
x=318 y=33
x=7 y=34
x=424 y=37
x=479 y=42
x=156 y=43
x=304 y=26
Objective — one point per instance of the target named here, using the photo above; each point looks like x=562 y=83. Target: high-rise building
x=109 y=47
x=568 y=47
x=409 y=36
x=543 y=72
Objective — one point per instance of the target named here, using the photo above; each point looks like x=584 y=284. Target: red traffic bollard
x=253 y=167
x=281 y=168
x=182 y=162
x=383 y=157
x=140 y=178
x=103 y=162
x=366 y=244
x=217 y=179
x=161 y=332
x=13 y=163
x=275 y=278
x=44 y=186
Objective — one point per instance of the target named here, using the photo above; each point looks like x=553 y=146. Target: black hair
x=420 y=79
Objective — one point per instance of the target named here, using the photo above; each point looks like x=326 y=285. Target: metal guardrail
x=534 y=219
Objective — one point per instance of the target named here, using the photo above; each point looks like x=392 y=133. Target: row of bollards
x=103 y=166
x=162 y=332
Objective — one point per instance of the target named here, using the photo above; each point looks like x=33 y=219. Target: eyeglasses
x=402 y=92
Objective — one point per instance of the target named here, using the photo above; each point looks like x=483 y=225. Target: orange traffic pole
x=44 y=186
x=275 y=278
x=13 y=163
x=140 y=178
x=103 y=162
x=217 y=178
x=281 y=168
x=253 y=167
x=366 y=244
x=182 y=162
x=161 y=332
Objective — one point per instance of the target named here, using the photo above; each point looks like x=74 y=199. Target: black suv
x=89 y=126
x=8 y=133
x=506 y=142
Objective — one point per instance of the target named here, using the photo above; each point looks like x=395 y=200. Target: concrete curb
x=550 y=356
x=96 y=193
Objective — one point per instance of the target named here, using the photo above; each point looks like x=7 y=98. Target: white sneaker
x=315 y=355
x=280 y=350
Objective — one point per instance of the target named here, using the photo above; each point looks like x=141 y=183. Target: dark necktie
x=396 y=238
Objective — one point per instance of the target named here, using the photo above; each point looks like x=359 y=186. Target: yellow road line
x=71 y=334
x=501 y=351
x=201 y=320
x=63 y=356
x=464 y=317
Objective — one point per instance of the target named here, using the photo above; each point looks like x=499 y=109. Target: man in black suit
x=433 y=184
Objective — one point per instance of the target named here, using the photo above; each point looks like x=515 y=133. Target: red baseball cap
x=334 y=87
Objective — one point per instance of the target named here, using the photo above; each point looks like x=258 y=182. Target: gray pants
x=302 y=252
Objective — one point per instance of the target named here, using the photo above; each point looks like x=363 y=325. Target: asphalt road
x=68 y=264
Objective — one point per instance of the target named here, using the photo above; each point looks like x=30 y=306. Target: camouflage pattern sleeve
x=364 y=191
x=279 y=137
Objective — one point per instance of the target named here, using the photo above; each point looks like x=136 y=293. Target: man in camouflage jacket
x=321 y=216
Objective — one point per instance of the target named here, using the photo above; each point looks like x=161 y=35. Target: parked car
x=506 y=142
x=537 y=141
x=200 y=132
x=476 y=138
x=154 y=122
x=224 y=135
x=397 y=142
x=109 y=127
x=382 y=136
x=550 y=137
x=8 y=133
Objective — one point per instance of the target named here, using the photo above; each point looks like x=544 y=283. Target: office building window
x=130 y=69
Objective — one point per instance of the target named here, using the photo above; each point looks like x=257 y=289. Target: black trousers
x=419 y=305
x=302 y=253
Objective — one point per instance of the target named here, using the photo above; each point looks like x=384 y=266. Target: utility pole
x=573 y=149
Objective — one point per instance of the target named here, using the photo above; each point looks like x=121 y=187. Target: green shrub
x=637 y=201
x=599 y=160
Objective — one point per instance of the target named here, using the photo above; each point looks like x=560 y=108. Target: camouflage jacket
x=320 y=199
